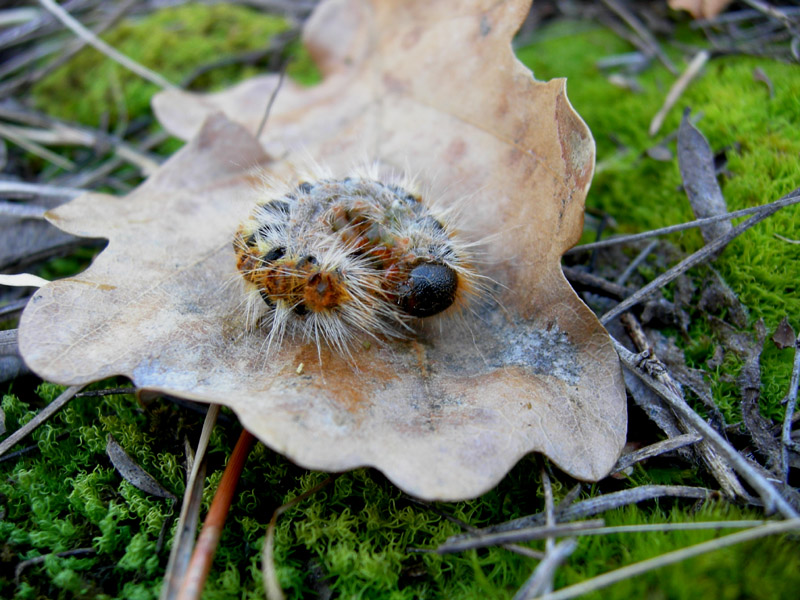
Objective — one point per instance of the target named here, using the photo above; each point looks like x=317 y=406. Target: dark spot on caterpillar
x=305 y=187
x=433 y=223
x=306 y=260
x=267 y=300
x=299 y=309
x=279 y=206
x=274 y=254
x=429 y=289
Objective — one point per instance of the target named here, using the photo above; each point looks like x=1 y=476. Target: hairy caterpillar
x=330 y=260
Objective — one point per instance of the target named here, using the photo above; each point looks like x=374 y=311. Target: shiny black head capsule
x=429 y=289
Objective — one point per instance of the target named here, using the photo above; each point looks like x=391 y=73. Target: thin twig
x=106 y=392
x=603 y=503
x=692 y=260
x=18 y=189
x=669 y=558
x=626 y=239
x=90 y=38
x=640 y=258
x=44 y=414
x=657 y=380
x=271 y=101
x=642 y=31
x=22 y=211
x=35 y=148
x=518 y=535
x=628 y=460
x=549 y=521
x=206 y=546
x=791 y=401
x=271 y=586
x=677 y=89
x=541 y=580
x=515 y=548
x=37 y=560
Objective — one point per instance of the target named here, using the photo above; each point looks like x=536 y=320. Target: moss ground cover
x=352 y=537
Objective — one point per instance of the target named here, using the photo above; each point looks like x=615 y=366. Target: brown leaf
x=700 y=9
x=784 y=335
x=696 y=162
x=431 y=87
x=132 y=472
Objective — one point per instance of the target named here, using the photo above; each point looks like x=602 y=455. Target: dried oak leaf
x=700 y=9
x=429 y=87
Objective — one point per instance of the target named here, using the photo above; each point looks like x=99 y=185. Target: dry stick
x=549 y=521
x=206 y=547
x=18 y=189
x=271 y=586
x=669 y=558
x=599 y=504
x=183 y=543
x=628 y=460
x=93 y=40
x=690 y=261
x=9 y=87
x=769 y=495
x=44 y=414
x=677 y=89
x=791 y=401
x=22 y=211
x=522 y=535
x=718 y=467
x=625 y=239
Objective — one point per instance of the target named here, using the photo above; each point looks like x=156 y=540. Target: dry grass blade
x=677 y=89
x=692 y=260
x=655 y=377
x=669 y=558
x=47 y=412
x=183 y=543
x=100 y=45
x=197 y=572
x=626 y=239
x=22 y=280
x=790 y=401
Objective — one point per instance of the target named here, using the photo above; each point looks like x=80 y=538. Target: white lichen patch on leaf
x=430 y=88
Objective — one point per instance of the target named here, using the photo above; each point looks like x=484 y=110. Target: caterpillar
x=331 y=260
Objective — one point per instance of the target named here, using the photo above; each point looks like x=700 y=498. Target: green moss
x=173 y=42
x=354 y=534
